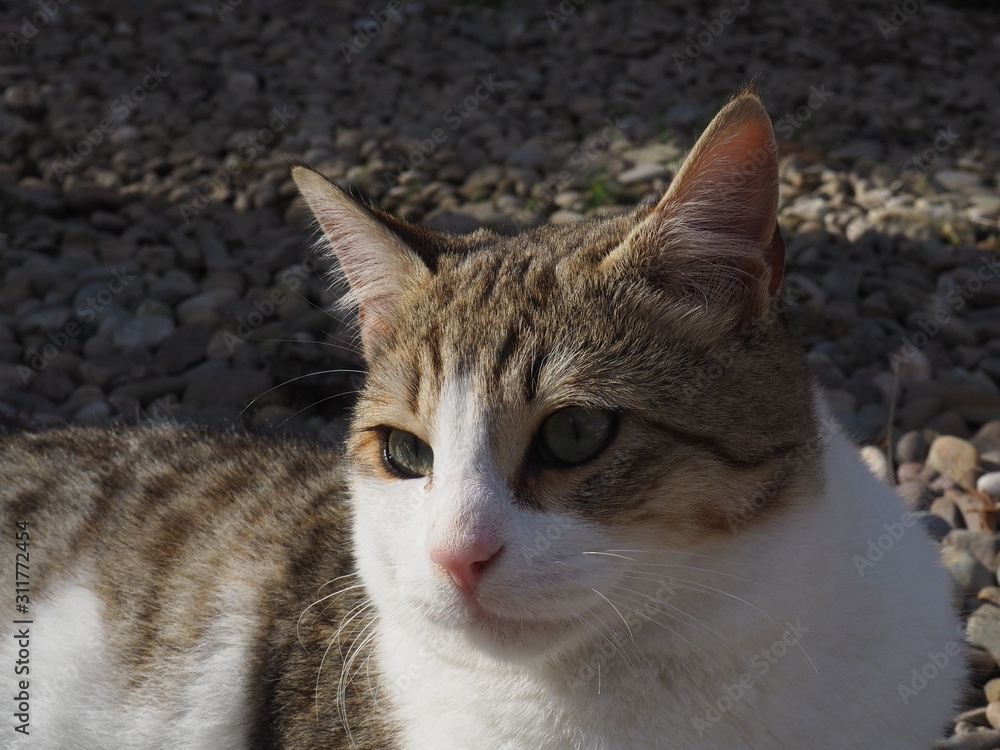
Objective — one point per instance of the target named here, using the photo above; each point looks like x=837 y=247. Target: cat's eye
x=575 y=435
x=407 y=455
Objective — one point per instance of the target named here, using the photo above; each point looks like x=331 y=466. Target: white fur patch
x=215 y=690
x=196 y=701
x=69 y=706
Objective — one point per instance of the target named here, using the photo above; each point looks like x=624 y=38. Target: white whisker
x=627 y=627
x=670 y=630
x=691 y=617
x=292 y=380
x=334 y=595
x=712 y=591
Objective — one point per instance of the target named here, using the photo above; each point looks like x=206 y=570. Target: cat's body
x=594 y=504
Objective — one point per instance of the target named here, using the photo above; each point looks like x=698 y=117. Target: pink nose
x=466 y=564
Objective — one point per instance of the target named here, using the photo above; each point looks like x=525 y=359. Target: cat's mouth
x=487 y=628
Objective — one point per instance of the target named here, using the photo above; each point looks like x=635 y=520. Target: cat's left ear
x=714 y=235
x=381 y=257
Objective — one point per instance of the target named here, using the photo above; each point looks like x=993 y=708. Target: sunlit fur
x=693 y=586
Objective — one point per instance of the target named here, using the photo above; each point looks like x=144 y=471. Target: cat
x=590 y=499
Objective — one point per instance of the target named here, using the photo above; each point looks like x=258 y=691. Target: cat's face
x=546 y=416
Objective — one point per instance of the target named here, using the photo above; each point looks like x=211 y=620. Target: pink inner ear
x=731 y=184
x=725 y=197
x=377 y=263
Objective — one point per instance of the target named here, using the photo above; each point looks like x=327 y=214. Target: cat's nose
x=466 y=563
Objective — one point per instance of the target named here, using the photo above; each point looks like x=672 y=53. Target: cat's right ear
x=713 y=238
x=379 y=265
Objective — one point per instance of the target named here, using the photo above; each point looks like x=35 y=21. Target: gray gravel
x=155 y=258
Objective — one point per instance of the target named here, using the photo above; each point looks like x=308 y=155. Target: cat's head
x=536 y=406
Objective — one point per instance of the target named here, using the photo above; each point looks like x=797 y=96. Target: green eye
x=407 y=455
x=574 y=435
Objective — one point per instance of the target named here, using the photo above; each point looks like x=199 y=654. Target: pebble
x=983 y=546
x=993 y=714
x=946 y=508
x=989 y=484
x=48 y=320
x=916 y=495
x=987 y=441
x=940 y=485
x=912 y=447
x=566 y=216
x=992 y=691
x=935 y=526
x=983 y=630
x=184 y=347
x=217 y=384
x=917 y=412
x=145 y=332
x=145 y=390
x=913 y=368
x=643 y=173
x=981 y=664
x=950 y=422
x=876 y=462
x=957 y=459
x=972 y=508
x=990 y=594
x=205 y=307
x=96 y=412
x=987 y=739
x=969 y=575
x=952 y=179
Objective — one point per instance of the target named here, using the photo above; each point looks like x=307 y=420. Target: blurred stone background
x=156 y=263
